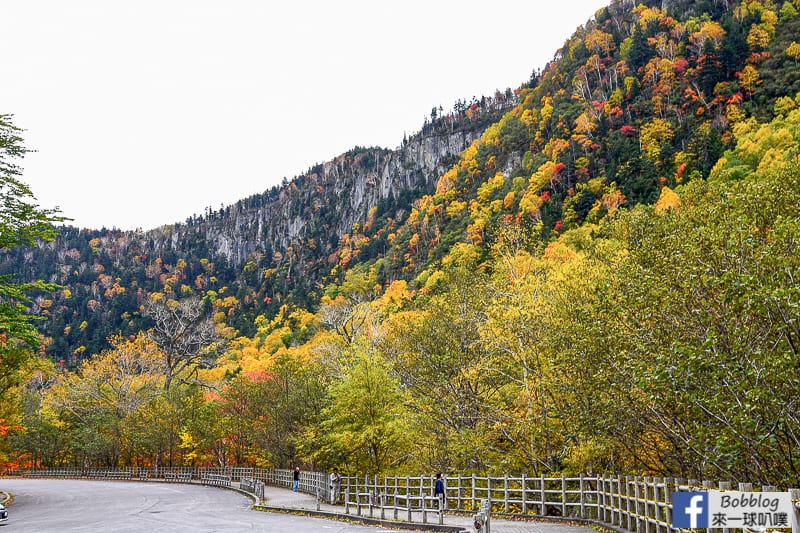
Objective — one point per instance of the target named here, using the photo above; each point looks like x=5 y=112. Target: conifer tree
x=22 y=223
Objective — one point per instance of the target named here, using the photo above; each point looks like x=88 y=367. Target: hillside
x=264 y=251
x=640 y=98
x=594 y=272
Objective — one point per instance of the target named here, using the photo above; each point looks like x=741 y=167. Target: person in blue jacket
x=438 y=489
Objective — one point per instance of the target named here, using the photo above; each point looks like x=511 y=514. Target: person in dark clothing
x=438 y=490
x=296 y=478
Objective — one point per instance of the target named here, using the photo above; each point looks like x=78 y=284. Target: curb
x=389 y=524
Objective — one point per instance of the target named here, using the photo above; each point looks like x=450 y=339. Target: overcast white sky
x=145 y=112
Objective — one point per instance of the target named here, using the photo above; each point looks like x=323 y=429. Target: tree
x=366 y=423
x=22 y=223
x=709 y=311
x=100 y=399
x=185 y=333
x=793 y=51
x=442 y=361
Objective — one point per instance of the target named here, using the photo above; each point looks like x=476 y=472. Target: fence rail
x=637 y=504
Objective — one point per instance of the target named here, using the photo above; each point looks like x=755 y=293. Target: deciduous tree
x=185 y=333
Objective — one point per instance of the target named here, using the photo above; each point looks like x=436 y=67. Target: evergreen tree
x=22 y=223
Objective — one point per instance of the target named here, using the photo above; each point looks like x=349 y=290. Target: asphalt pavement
x=47 y=505
x=92 y=506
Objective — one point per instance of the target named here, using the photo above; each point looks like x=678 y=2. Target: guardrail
x=215 y=480
x=637 y=504
x=422 y=504
x=177 y=477
x=253 y=486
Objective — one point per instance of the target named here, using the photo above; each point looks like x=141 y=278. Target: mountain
x=595 y=272
x=267 y=250
x=642 y=97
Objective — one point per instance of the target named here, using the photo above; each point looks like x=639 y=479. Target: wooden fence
x=637 y=504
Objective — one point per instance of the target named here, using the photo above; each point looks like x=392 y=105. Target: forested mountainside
x=594 y=273
x=640 y=98
x=266 y=250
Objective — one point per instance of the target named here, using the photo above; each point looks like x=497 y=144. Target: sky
x=145 y=113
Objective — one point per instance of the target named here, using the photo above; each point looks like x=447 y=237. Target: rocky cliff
x=320 y=207
x=275 y=247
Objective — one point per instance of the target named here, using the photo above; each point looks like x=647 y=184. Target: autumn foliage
x=603 y=280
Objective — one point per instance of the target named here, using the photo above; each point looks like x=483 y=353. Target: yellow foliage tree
x=654 y=136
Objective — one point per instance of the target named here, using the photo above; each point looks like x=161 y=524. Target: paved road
x=121 y=507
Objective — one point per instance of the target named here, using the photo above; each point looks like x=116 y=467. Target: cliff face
x=327 y=201
x=265 y=250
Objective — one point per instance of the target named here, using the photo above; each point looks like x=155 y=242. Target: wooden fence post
x=474 y=487
x=524 y=487
x=543 y=502
x=725 y=485
x=581 y=495
x=709 y=485
x=794 y=520
x=347 y=495
x=459 y=504
x=646 y=506
x=489 y=490
x=628 y=504
x=424 y=507
x=505 y=492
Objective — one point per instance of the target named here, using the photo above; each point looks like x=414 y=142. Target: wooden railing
x=637 y=504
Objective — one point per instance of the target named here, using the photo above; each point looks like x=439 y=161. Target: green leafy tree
x=22 y=223
x=366 y=423
x=441 y=359
x=709 y=310
x=99 y=399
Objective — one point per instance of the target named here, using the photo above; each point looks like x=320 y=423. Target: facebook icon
x=689 y=510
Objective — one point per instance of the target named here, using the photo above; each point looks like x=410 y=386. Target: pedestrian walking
x=335 y=485
x=296 y=478
x=438 y=490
